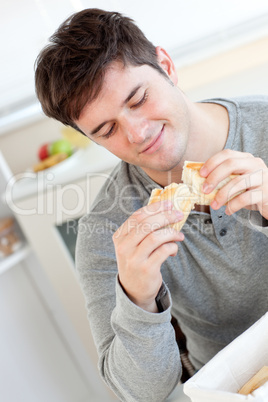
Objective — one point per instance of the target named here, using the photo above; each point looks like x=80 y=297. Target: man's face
x=140 y=116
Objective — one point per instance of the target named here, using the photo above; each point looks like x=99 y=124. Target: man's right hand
x=142 y=244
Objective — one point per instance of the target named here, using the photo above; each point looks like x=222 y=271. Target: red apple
x=43 y=152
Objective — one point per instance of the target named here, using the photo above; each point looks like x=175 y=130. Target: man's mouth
x=155 y=143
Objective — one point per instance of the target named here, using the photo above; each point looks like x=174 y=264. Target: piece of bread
x=255 y=382
x=185 y=195
x=191 y=177
x=180 y=195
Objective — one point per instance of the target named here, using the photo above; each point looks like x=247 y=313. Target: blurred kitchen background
x=220 y=48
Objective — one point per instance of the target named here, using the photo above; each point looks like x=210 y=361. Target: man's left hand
x=248 y=190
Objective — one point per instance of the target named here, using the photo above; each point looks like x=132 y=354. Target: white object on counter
x=224 y=375
x=90 y=160
x=178 y=395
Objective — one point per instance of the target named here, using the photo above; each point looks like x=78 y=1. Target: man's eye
x=141 y=101
x=110 y=132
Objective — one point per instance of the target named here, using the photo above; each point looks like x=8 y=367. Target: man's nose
x=136 y=129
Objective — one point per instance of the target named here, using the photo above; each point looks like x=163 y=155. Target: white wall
x=28 y=24
x=187 y=29
x=237 y=72
x=249 y=82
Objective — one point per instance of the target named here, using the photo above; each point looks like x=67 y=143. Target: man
x=103 y=77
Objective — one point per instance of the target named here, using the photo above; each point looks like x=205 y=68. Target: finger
x=156 y=239
x=252 y=207
x=141 y=214
x=228 y=168
x=162 y=253
x=134 y=231
x=219 y=158
x=250 y=197
x=138 y=232
x=236 y=186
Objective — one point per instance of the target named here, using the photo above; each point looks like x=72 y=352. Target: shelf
x=14 y=258
x=91 y=161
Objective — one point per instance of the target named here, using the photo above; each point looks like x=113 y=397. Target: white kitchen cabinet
x=46 y=345
x=23 y=251
x=36 y=363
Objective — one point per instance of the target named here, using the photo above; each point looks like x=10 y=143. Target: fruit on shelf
x=56 y=147
x=43 y=152
x=61 y=146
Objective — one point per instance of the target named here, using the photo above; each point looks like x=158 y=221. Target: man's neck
x=209 y=131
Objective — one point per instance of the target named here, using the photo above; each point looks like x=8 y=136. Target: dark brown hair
x=69 y=71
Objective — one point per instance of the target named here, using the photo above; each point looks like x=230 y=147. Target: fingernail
x=203 y=172
x=214 y=204
x=181 y=236
x=207 y=188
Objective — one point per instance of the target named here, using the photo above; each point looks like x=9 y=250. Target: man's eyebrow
x=130 y=96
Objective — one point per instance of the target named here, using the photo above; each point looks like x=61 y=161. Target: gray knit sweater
x=216 y=286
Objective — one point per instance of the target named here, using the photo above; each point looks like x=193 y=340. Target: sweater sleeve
x=138 y=354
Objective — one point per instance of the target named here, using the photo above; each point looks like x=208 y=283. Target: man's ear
x=166 y=63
